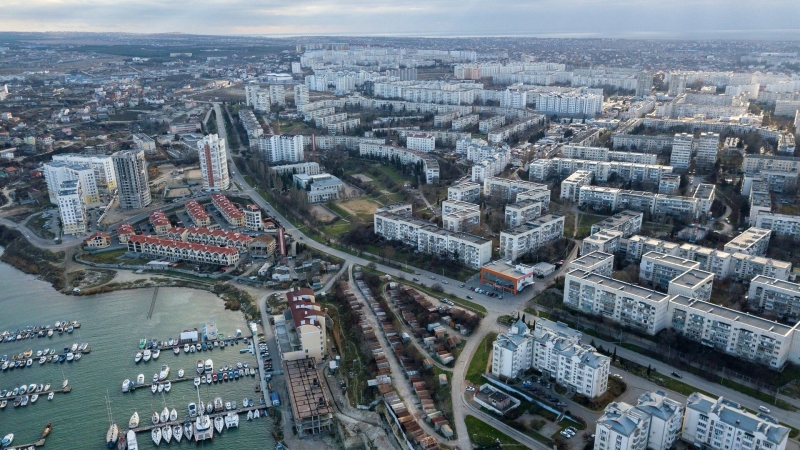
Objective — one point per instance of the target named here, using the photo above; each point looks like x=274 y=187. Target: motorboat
x=140 y=379
x=192 y=410
x=244 y=403
x=166 y=432
x=180 y=373
x=208 y=379
x=214 y=377
x=196 y=381
x=133 y=444
x=218 y=404
x=47 y=430
x=156 y=435
x=24 y=401
x=164 y=415
x=167 y=386
x=42 y=359
x=192 y=348
x=34 y=397
x=256 y=414
x=219 y=422
x=78 y=356
x=170 y=341
x=249 y=415
x=209 y=408
x=185 y=348
x=8 y=439
x=134 y=422
x=227 y=406
x=126 y=385
x=156 y=353
x=138 y=357
x=160 y=387
x=154 y=388
x=29 y=362
x=147 y=355
x=3 y=403
x=177 y=432
x=156 y=419
x=239 y=365
x=164 y=372
x=209 y=366
x=49 y=333
x=200 y=366
x=225 y=376
x=173 y=415
x=112 y=435
x=74 y=347
x=51 y=395
x=233 y=405
x=176 y=349
x=64 y=384
x=155 y=377
x=31 y=388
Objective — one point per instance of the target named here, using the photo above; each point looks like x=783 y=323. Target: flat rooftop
x=692 y=278
x=589 y=260
x=704 y=190
x=701 y=307
x=618 y=219
x=305 y=391
x=619 y=285
x=671 y=260
x=778 y=283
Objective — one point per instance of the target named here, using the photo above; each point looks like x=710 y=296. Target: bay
x=112 y=324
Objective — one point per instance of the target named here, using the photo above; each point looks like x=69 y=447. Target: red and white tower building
x=214 y=163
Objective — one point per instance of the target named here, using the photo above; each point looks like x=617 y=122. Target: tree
x=436 y=287
x=648 y=370
x=614 y=356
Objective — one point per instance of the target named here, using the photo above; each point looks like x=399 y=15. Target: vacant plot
x=179 y=192
x=193 y=174
x=322 y=213
x=362 y=177
x=360 y=207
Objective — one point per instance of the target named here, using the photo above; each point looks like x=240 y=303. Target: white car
x=470 y=389
x=764 y=409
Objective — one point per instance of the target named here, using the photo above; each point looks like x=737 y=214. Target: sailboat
x=166 y=433
x=134 y=422
x=202 y=426
x=133 y=444
x=177 y=432
x=112 y=435
x=156 y=434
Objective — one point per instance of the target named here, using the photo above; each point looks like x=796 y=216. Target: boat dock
x=186 y=378
x=39 y=443
x=241 y=410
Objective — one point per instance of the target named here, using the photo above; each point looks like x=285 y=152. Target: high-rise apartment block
x=132 y=179
x=214 y=163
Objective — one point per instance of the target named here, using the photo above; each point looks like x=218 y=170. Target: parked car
x=470 y=389
x=676 y=375
x=415 y=279
x=469 y=297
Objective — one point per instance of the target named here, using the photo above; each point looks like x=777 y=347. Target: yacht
x=155 y=418
x=196 y=381
x=154 y=388
x=218 y=404
x=202 y=429
x=249 y=415
x=24 y=401
x=138 y=357
x=177 y=432
x=8 y=439
x=112 y=435
x=34 y=397
x=256 y=414
x=155 y=378
x=167 y=386
x=133 y=444
x=147 y=355
x=209 y=366
x=156 y=434
x=156 y=353
x=126 y=385
x=188 y=430
x=166 y=432
x=160 y=387
x=176 y=349
x=164 y=415
x=185 y=348
x=140 y=379
x=134 y=422
x=209 y=408
x=42 y=359
x=218 y=423
x=74 y=347
x=192 y=410
x=200 y=366
x=180 y=373
x=164 y=372
x=173 y=415
x=51 y=395
x=231 y=420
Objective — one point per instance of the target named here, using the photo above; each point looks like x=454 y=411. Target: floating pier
x=241 y=410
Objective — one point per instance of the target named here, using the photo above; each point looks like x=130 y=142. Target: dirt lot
x=323 y=213
x=359 y=206
x=193 y=174
x=179 y=192
x=362 y=177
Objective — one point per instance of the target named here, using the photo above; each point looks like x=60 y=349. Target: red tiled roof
x=158 y=218
x=98 y=234
x=300 y=306
x=196 y=210
x=224 y=204
x=230 y=235
x=141 y=239
x=125 y=228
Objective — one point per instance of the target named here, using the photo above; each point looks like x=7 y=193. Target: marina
x=28 y=300
x=29 y=358
x=41 y=331
x=225 y=374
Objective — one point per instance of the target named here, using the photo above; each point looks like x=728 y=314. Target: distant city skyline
x=681 y=19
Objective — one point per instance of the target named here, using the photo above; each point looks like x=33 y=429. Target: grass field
x=481 y=433
x=480 y=360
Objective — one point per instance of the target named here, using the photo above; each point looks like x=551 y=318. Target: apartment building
x=211 y=236
x=707 y=147
x=544 y=169
x=307 y=168
x=676 y=275
x=213 y=155
x=633 y=157
x=529 y=236
x=522 y=211
x=637 y=246
x=252 y=218
x=197 y=213
x=57 y=172
x=160 y=222
x=490 y=166
x=277 y=94
x=72 y=207
x=300 y=97
x=421 y=142
x=715 y=261
x=172 y=250
x=228 y=210
x=500 y=135
x=132 y=179
x=492 y=123
x=669 y=184
x=257 y=97
x=406 y=156
x=597 y=262
x=464 y=123
x=654 y=423
x=103 y=166
x=585 y=152
x=720 y=424
x=757 y=163
x=472 y=251
x=571 y=186
x=343 y=126
x=465 y=192
x=626 y=222
x=705 y=194
x=323 y=121
x=780 y=224
x=308 y=320
x=278 y=148
x=681 y=155
x=684 y=208
x=570 y=103
x=512 y=351
x=760 y=203
x=779 y=296
x=606 y=241
x=509 y=190
x=630 y=305
x=745 y=267
x=752 y=241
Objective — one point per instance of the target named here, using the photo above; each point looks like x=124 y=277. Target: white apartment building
x=279 y=148
x=213 y=155
x=745 y=267
x=554 y=349
x=500 y=135
x=760 y=163
x=492 y=123
x=323 y=121
x=465 y=192
x=606 y=241
x=676 y=276
x=584 y=152
x=257 y=97
x=132 y=179
x=56 y=172
x=720 y=424
x=681 y=151
x=571 y=186
x=463 y=220
x=780 y=224
x=300 y=97
x=429 y=164
x=421 y=142
x=669 y=184
x=760 y=203
x=71 y=207
x=144 y=142
x=637 y=246
x=705 y=193
x=779 y=296
x=464 y=123
x=627 y=304
x=490 y=166
x=510 y=189
x=530 y=236
x=686 y=208
x=654 y=423
x=307 y=168
x=707 y=147
x=626 y=222
x=277 y=94
x=717 y=262
x=570 y=103
x=104 y=173
x=343 y=126
x=472 y=251
x=752 y=241
x=543 y=169
x=514 y=98
x=522 y=211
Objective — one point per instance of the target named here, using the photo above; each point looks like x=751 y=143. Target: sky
x=734 y=19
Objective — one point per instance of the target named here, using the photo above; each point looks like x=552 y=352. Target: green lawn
x=585 y=222
x=480 y=360
x=109 y=257
x=481 y=433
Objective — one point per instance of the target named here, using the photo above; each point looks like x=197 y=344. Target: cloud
x=602 y=18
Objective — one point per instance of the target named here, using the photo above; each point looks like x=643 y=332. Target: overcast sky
x=770 y=19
